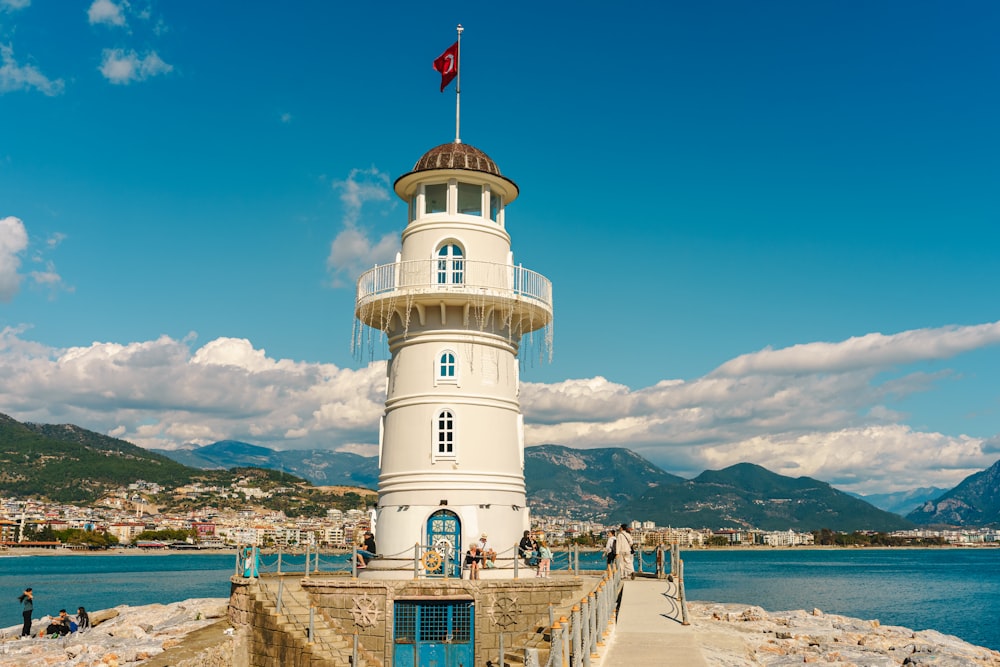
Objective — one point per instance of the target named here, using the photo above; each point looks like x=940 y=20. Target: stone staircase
x=539 y=638
x=330 y=645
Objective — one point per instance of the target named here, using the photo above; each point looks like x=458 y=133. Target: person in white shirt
x=488 y=554
x=623 y=551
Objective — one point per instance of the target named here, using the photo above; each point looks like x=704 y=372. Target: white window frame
x=436 y=454
x=439 y=376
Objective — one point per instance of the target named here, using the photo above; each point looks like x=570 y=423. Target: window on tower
x=445 y=435
x=436 y=198
x=450 y=265
x=494 y=206
x=470 y=199
x=447 y=368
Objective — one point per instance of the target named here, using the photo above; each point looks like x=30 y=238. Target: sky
x=772 y=228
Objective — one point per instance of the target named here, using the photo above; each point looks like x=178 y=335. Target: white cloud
x=874 y=350
x=122 y=67
x=12 y=5
x=14 y=76
x=13 y=241
x=832 y=424
x=162 y=393
x=107 y=12
x=353 y=250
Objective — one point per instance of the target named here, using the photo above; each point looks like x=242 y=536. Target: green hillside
x=66 y=463
x=749 y=496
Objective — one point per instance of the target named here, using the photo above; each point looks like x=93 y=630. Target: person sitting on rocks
x=82 y=619
x=59 y=627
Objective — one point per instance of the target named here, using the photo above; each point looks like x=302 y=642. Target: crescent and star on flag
x=447 y=64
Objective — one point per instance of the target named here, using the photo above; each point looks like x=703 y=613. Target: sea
x=953 y=590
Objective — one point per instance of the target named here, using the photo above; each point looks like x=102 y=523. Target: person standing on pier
x=623 y=551
x=27 y=600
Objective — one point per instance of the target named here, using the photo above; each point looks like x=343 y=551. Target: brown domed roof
x=457 y=156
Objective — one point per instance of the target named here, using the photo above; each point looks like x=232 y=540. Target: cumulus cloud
x=13 y=241
x=831 y=422
x=162 y=393
x=14 y=76
x=106 y=12
x=122 y=67
x=354 y=250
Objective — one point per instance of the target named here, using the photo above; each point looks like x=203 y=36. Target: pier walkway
x=649 y=629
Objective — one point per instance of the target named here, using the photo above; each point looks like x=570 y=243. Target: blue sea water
x=955 y=591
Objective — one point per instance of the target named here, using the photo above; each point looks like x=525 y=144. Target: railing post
x=517 y=561
x=312 y=628
x=565 y=640
x=577 y=636
x=416 y=560
x=640 y=557
x=279 y=559
x=239 y=558
x=354 y=651
x=307 y=559
x=552 y=615
x=683 y=597
x=555 y=646
x=281 y=588
x=594 y=606
x=316 y=569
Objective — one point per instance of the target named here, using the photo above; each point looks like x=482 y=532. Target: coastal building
x=455 y=309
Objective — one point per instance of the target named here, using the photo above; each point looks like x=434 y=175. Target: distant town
x=126 y=518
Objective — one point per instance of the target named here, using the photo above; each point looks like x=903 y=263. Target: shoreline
x=31 y=551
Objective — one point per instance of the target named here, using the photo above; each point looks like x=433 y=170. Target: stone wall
x=339 y=600
x=366 y=606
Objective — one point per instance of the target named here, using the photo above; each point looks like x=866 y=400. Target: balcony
x=515 y=290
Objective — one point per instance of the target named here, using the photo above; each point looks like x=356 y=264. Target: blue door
x=444 y=535
x=433 y=634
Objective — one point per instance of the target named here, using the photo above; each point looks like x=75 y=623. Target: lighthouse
x=455 y=309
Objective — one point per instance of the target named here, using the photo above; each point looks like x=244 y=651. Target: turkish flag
x=447 y=64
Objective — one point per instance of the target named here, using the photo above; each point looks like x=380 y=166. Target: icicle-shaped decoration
x=508 y=300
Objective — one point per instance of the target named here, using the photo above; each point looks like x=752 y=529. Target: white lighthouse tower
x=455 y=309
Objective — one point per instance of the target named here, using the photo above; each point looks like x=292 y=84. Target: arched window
x=450 y=265
x=445 y=432
x=447 y=367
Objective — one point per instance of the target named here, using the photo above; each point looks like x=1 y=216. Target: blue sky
x=772 y=228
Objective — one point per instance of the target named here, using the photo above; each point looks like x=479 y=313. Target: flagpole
x=458 y=85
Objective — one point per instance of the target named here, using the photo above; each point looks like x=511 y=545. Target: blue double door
x=434 y=634
x=444 y=535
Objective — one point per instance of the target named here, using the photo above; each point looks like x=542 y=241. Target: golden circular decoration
x=431 y=560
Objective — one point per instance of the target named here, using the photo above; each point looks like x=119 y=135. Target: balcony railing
x=455 y=276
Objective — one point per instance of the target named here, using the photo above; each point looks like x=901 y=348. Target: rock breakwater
x=121 y=636
x=778 y=639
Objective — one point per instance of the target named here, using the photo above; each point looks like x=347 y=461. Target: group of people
x=60 y=625
x=480 y=554
x=535 y=553
x=619 y=549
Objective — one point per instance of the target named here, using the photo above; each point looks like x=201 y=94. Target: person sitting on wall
x=489 y=555
x=367 y=550
x=526 y=549
x=473 y=558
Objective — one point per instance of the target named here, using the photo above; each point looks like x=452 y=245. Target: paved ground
x=649 y=629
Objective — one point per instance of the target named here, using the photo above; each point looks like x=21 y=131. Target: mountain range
x=974 y=502
x=68 y=463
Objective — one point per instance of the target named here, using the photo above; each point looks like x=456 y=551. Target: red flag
x=447 y=64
